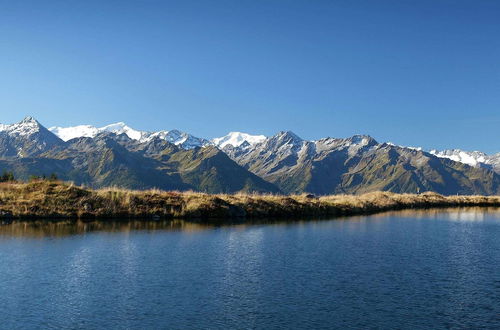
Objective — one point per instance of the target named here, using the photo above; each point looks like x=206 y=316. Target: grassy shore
x=53 y=200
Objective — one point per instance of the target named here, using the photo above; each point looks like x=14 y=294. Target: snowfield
x=236 y=139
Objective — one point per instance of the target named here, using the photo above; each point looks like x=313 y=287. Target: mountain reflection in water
x=44 y=228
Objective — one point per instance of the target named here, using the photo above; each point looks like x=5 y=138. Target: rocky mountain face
x=356 y=165
x=26 y=139
x=117 y=155
x=109 y=159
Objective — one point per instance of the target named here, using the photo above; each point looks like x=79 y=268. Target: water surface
x=411 y=269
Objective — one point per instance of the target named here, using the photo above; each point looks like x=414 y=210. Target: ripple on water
x=419 y=269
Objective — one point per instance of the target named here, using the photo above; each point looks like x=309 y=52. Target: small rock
x=5 y=214
x=87 y=207
x=5 y=217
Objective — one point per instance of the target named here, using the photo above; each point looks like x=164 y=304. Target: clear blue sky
x=424 y=73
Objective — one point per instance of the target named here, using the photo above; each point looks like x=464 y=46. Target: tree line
x=8 y=176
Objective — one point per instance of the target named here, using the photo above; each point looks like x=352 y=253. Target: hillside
x=358 y=164
x=107 y=159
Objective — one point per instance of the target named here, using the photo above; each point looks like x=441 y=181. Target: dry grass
x=44 y=199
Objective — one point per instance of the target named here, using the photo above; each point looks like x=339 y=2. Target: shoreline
x=45 y=200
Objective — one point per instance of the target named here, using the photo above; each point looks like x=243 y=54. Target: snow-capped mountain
x=27 y=127
x=182 y=139
x=355 y=165
x=352 y=145
x=471 y=158
x=236 y=139
x=119 y=155
x=26 y=138
x=282 y=156
x=68 y=133
x=127 y=158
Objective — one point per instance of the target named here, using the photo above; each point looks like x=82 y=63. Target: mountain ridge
x=119 y=155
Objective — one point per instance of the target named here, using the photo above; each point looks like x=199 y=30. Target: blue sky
x=421 y=73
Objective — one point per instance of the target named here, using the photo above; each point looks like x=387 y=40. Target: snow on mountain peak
x=362 y=140
x=236 y=139
x=26 y=127
x=472 y=158
x=122 y=128
x=29 y=119
x=29 y=126
x=406 y=147
x=288 y=134
x=182 y=139
x=176 y=137
x=68 y=133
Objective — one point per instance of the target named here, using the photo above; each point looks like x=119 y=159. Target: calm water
x=433 y=269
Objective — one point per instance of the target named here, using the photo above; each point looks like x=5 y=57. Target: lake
x=410 y=269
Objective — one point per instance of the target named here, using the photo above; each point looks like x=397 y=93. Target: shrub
x=7 y=177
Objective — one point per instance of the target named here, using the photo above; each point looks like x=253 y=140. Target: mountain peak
x=29 y=119
x=27 y=138
x=122 y=128
x=25 y=127
x=288 y=136
x=362 y=139
x=119 y=124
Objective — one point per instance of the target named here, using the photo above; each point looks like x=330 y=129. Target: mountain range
x=118 y=155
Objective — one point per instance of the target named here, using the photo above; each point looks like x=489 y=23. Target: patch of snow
x=407 y=147
x=236 y=139
x=356 y=143
x=472 y=158
x=122 y=128
x=184 y=140
x=360 y=140
x=68 y=133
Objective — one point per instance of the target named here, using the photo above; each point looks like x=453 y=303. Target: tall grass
x=43 y=199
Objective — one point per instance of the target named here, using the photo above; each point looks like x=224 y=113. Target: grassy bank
x=51 y=200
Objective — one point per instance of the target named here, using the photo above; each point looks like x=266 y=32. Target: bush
x=7 y=177
x=34 y=178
